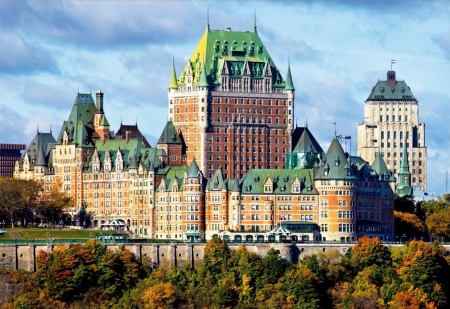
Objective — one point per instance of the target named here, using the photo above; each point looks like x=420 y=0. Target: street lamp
x=404 y=237
x=48 y=235
x=26 y=237
x=90 y=235
x=3 y=224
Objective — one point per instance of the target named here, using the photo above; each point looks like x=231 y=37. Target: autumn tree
x=18 y=198
x=408 y=224
x=215 y=257
x=438 y=224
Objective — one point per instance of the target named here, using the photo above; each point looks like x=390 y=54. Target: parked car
x=2 y=232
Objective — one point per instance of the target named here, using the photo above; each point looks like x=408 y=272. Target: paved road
x=15 y=235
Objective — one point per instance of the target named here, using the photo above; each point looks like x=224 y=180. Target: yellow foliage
x=160 y=296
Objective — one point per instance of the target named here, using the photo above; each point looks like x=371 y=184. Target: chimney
x=127 y=136
x=99 y=100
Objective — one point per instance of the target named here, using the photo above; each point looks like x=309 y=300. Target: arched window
x=382 y=134
x=401 y=134
x=388 y=134
x=395 y=134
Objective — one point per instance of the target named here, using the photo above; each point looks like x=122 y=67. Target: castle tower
x=391 y=121
x=232 y=105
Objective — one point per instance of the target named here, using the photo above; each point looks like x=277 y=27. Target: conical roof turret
x=193 y=170
x=40 y=158
x=203 y=78
x=173 y=84
x=289 y=84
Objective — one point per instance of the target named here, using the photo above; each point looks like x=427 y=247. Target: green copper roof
x=391 y=90
x=235 y=53
x=217 y=182
x=203 y=79
x=289 y=83
x=40 y=160
x=193 y=170
x=104 y=121
x=173 y=79
x=282 y=179
x=169 y=135
x=335 y=165
x=380 y=167
x=236 y=187
x=83 y=111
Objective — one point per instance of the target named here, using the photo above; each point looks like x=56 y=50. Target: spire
x=289 y=84
x=404 y=165
x=173 y=77
x=254 y=22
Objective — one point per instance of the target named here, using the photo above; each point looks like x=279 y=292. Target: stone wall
x=24 y=256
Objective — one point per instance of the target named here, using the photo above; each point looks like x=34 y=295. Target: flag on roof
x=344 y=136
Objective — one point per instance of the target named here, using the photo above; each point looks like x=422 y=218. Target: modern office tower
x=232 y=106
x=9 y=154
x=391 y=121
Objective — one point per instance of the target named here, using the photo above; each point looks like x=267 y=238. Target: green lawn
x=41 y=233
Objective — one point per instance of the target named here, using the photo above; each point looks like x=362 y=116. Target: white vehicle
x=2 y=232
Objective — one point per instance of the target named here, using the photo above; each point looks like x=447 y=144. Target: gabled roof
x=170 y=135
x=335 y=164
x=217 y=182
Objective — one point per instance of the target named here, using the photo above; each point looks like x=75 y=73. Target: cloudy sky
x=50 y=50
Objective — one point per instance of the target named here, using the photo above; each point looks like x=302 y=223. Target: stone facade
x=391 y=120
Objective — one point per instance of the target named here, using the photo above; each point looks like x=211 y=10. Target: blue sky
x=338 y=50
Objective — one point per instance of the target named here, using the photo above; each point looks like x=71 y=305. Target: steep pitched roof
x=135 y=133
x=307 y=143
x=380 y=167
x=236 y=187
x=217 y=182
x=83 y=112
x=230 y=50
x=335 y=164
x=193 y=170
x=41 y=142
x=289 y=83
x=169 y=135
x=173 y=84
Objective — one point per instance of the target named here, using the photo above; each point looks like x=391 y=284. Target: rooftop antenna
x=392 y=62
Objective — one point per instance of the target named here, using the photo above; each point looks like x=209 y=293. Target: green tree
x=215 y=257
x=274 y=266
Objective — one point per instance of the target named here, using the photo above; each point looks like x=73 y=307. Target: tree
x=408 y=224
x=18 y=198
x=215 y=257
x=160 y=296
x=52 y=204
x=438 y=223
x=274 y=266
x=369 y=251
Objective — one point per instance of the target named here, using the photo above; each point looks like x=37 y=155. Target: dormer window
x=336 y=162
x=296 y=189
x=268 y=189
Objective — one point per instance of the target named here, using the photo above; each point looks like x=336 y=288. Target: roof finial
x=78 y=87
x=335 y=129
x=37 y=128
x=306 y=122
x=207 y=18
x=254 y=21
